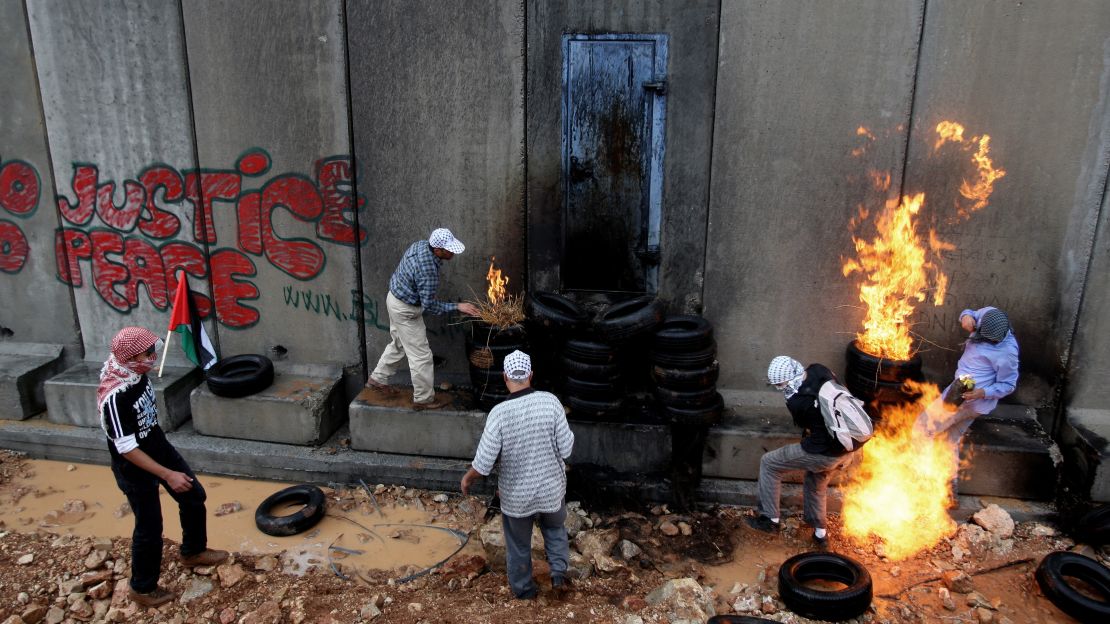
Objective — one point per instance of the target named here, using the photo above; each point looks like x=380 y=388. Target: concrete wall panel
x=795 y=82
x=436 y=91
x=269 y=95
x=692 y=28
x=1034 y=78
x=112 y=79
x=34 y=305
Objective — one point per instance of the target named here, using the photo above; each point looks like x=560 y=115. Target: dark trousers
x=141 y=489
x=518 y=549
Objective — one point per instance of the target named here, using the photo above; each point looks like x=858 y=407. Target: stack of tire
x=592 y=385
x=486 y=348
x=685 y=370
x=552 y=320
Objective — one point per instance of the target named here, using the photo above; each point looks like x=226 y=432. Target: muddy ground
x=52 y=571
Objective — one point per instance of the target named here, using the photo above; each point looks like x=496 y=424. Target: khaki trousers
x=409 y=338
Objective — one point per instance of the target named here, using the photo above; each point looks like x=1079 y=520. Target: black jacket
x=806 y=411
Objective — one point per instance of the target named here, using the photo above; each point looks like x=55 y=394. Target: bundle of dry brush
x=503 y=313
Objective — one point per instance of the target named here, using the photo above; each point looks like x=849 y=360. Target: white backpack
x=845 y=417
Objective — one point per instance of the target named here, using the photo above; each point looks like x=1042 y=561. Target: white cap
x=444 y=239
x=518 y=366
x=783 y=368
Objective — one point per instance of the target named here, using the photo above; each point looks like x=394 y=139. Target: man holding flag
x=185 y=320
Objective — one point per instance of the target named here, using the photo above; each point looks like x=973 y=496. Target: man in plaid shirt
x=412 y=291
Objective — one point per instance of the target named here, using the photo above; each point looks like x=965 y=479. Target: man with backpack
x=819 y=454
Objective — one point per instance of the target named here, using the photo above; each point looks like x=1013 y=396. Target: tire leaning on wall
x=240 y=375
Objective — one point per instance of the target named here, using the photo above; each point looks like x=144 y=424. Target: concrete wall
x=268 y=84
x=1033 y=77
x=795 y=81
x=34 y=305
x=112 y=79
x=436 y=91
x=691 y=72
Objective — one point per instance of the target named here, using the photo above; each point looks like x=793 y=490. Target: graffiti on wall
x=19 y=196
x=141 y=241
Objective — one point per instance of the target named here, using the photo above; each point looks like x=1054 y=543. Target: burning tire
x=872 y=367
x=628 y=319
x=1051 y=575
x=686 y=379
x=820 y=604
x=305 y=518
x=685 y=332
x=240 y=376
x=555 y=311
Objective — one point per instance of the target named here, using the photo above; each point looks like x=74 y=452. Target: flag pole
x=166 y=347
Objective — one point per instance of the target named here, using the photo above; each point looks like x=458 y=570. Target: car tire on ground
x=240 y=375
x=820 y=604
x=305 y=518
x=1052 y=576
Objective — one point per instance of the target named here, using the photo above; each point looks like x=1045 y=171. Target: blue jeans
x=141 y=489
x=518 y=549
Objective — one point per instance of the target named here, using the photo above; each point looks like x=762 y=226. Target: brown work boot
x=206 y=557
x=153 y=598
x=379 y=387
x=438 y=401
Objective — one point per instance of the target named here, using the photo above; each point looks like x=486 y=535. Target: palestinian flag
x=185 y=321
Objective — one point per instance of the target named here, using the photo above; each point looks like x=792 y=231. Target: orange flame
x=900 y=490
x=495 y=292
x=897 y=267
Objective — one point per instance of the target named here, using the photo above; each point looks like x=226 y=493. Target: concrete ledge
x=455 y=433
x=24 y=368
x=296 y=409
x=71 y=396
x=1085 y=438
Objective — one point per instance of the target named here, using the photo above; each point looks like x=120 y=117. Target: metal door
x=614 y=107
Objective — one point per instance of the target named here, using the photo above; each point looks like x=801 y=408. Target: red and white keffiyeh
x=118 y=373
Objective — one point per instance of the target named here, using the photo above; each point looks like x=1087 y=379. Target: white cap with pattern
x=782 y=369
x=518 y=366
x=444 y=239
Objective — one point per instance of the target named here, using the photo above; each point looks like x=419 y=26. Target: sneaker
x=437 y=402
x=153 y=598
x=762 y=523
x=207 y=557
x=821 y=543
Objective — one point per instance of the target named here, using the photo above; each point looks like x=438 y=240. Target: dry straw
x=501 y=314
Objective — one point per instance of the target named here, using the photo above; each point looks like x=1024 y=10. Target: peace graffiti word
x=120 y=261
x=19 y=196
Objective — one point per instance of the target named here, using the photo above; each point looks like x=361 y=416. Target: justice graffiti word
x=120 y=263
x=19 y=196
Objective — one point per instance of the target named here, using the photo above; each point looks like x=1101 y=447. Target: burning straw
x=500 y=309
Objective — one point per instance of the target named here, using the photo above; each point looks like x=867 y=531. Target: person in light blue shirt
x=990 y=358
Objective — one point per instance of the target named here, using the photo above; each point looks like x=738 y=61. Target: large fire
x=495 y=291
x=900 y=491
x=896 y=264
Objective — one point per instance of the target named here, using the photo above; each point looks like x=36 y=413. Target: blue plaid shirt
x=417 y=277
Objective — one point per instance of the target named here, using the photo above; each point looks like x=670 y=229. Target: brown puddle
x=86 y=502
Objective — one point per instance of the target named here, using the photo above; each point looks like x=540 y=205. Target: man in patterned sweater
x=529 y=432
x=143 y=459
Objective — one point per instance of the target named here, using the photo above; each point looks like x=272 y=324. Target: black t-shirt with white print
x=130 y=420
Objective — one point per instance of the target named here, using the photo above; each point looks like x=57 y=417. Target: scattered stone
x=415 y=607
x=493 y=542
x=633 y=619
x=23 y=598
x=266 y=564
x=596 y=542
x=440 y=498
x=579 y=567
x=685 y=528
x=123 y=510
x=228 y=508
x=103 y=544
x=81 y=609
x=633 y=603
x=74 y=506
x=197 y=588
x=100 y=591
x=466 y=566
x=607 y=564
x=958 y=582
x=25 y=559
x=985 y=616
x=230 y=574
x=668 y=528
x=659 y=510
x=972 y=534
x=71 y=586
x=768 y=607
x=978 y=601
x=746 y=604
x=95 y=559
x=958 y=552
x=228 y=615
x=54 y=616
x=370 y=611
x=204 y=570
x=573 y=524
x=268 y=612
x=683 y=598
x=946 y=599
x=15 y=619
x=1041 y=530
x=629 y=550
x=995 y=520
x=737 y=589
x=895 y=571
